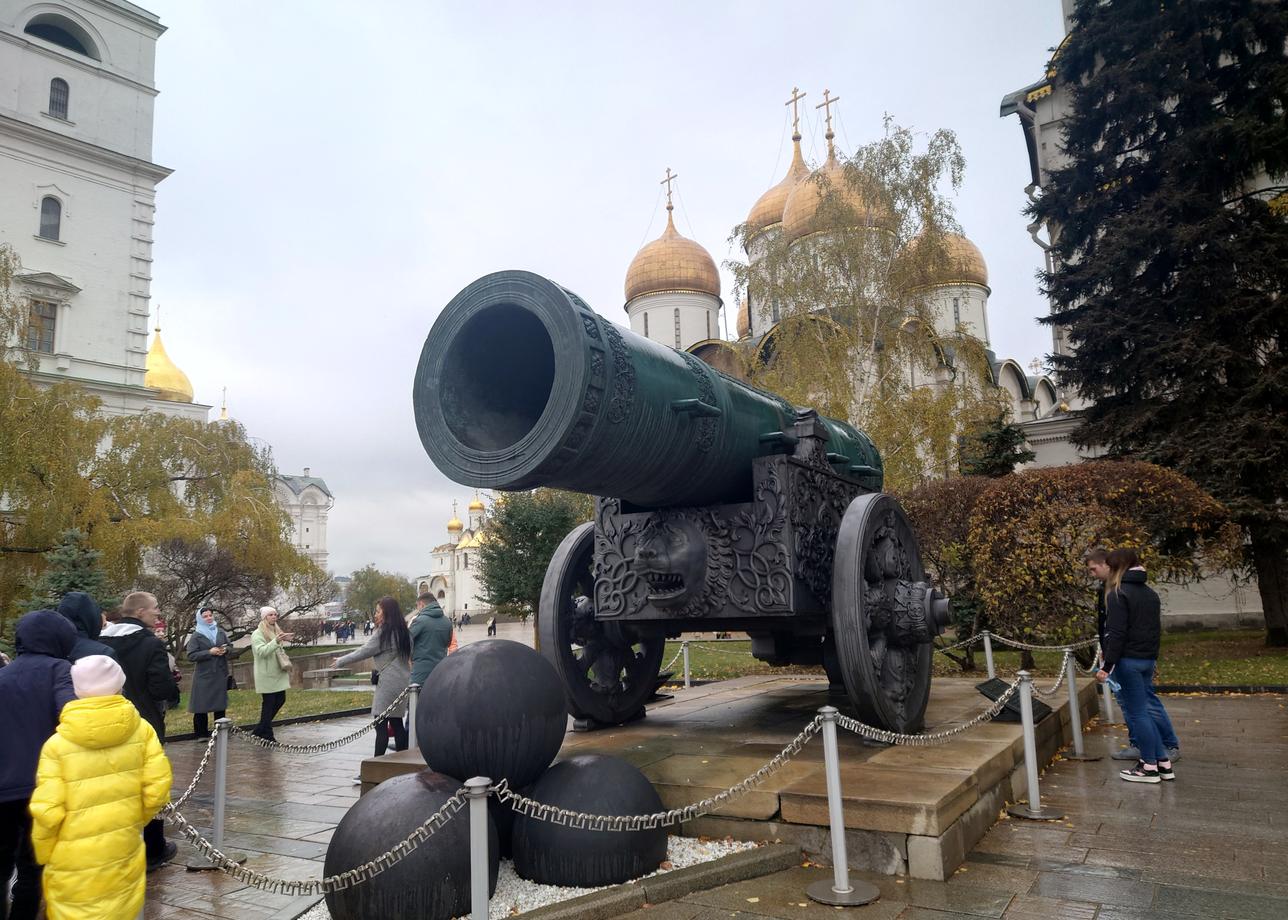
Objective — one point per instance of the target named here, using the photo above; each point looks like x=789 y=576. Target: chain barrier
x=721 y=651
x=324 y=746
x=889 y=737
x=1016 y=643
x=671 y=663
x=201 y=768
x=1064 y=673
x=588 y=822
x=1096 y=662
x=969 y=640
x=356 y=876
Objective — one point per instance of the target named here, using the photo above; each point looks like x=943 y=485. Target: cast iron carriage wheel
x=608 y=669
x=888 y=682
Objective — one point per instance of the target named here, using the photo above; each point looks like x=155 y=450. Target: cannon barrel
x=521 y=384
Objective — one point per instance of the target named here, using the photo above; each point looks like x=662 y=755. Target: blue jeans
x=1158 y=714
x=1146 y=718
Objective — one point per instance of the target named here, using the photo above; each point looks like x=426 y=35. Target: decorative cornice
x=638 y=297
x=95 y=69
x=58 y=141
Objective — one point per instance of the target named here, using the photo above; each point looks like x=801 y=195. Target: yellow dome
x=801 y=212
x=768 y=209
x=455 y=525
x=672 y=263
x=164 y=376
x=963 y=262
x=744 y=319
x=477 y=504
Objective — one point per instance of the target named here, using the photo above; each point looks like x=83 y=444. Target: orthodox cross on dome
x=794 y=102
x=158 y=325
x=223 y=410
x=667 y=182
x=453 y=507
x=826 y=105
x=1035 y=366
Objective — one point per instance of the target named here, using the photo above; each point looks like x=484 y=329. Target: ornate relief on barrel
x=706 y=426
x=619 y=407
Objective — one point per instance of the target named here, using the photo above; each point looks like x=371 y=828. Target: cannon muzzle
x=521 y=384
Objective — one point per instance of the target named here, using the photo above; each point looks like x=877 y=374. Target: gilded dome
x=768 y=209
x=455 y=525
x=477 y=504
x=672 y=263
x=164 y=376
x=744 y=319
x=963 y=262
x=801 y=212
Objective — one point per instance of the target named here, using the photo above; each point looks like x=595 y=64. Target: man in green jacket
x=431 y=633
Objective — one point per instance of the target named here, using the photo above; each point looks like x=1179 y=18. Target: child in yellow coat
x=101 y=777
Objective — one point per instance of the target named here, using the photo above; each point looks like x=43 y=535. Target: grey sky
x=341 y=170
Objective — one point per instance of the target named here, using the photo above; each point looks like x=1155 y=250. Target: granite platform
x=913 y=811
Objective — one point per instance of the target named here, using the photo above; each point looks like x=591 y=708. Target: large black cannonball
x=493 y=708
x=596 y=784
x=430 y=883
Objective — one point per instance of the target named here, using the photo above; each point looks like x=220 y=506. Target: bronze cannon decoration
x=719 y=506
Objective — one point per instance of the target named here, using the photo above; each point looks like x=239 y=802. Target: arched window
x=58 y=94
x=51 y=217
x=63 y=32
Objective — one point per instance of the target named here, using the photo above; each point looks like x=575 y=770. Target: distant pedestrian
x=431 y=634
x=272 y=670
x=86 y=616
x=491 y=625
x=100 y=778
x=210 y=652
x=34 y=688
x=149 y=685
x=1132 y=632
x=390 y=652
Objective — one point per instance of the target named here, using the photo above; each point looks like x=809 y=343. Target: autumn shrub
x=1029 y=532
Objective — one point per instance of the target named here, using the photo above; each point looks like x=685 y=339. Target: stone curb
x=622 y=899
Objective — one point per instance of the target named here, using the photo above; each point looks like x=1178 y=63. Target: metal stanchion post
x=840 y=892
x=413 y=699
x=1075 y=712
x=988 y=654
x=223 y=728
x=1033 y=808
x=1107 y=704
x=477 y=789
x=684 y=649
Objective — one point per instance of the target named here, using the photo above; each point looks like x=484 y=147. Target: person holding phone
x=272 y=670
x=209 y=650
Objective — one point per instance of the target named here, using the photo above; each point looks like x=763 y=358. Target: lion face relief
x=686 y=559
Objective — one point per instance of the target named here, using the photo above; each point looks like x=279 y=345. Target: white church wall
x=697 y=314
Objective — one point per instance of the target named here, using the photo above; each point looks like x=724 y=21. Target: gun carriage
x=719 y=506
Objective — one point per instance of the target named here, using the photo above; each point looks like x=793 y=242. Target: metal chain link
x=969 y=640
x=201 y=768
x=1064 y=673
x=1096 y=663
x=889 y=737
x=588 y=822
x=667 y=666
x=355 y=876
x=324 y=746
x=1016 y=643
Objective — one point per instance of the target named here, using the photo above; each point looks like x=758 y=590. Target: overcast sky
x=342 y=170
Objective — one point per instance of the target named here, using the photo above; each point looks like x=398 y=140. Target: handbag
x=375 y=678
x=283 y=660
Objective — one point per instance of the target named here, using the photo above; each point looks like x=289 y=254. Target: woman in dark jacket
x=1131 y=641
x=209 y=650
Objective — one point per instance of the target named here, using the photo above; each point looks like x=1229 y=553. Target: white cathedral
x=78 y=205
x=673 y=288
x=453 y=577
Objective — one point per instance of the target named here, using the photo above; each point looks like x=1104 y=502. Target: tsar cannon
x=719 y=506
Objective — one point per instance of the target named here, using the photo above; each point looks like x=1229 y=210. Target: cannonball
x=430 y=883
x=493 y=708
x=597 y=784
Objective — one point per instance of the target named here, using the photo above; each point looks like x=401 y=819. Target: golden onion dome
x=768 y=209
x=801 y=212
x=744 y=319
x=455 y=525
x=963 y=262
x=672 y=263
x=477 y=504
x=164 y=376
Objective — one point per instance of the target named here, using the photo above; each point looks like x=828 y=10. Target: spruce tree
x=70 y=566
x=1171 y=243
x=994 y=450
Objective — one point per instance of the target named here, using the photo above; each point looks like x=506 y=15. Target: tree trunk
x=1026 y=660
x=1270 y=558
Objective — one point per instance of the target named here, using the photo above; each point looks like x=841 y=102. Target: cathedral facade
x=453 y=574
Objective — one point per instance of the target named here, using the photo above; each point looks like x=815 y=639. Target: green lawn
x=1210 y=658
x=243 y=706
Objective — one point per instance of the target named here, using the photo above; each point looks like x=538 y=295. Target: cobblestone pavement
x=1213 y=844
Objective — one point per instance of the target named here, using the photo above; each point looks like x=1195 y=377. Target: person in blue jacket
x=33 y=690
x=86 y=617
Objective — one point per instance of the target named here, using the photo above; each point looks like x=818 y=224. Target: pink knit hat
x=97 y=675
